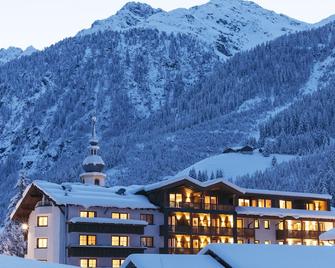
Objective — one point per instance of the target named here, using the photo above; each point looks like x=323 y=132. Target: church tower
x=93 y=164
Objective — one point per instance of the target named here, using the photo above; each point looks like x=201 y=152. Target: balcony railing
x=246 y=232
x=43 y=203
x=179 y=250
x=298 y=234
x=204 y=206
x=201 y=230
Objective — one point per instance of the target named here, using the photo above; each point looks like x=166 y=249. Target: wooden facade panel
x=90 y=251
x=106 y=228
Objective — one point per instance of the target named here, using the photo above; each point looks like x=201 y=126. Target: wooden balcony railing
x=204 y=206
x=200 y=230
x=179 y=250
x=245 y=232
x=298 y=234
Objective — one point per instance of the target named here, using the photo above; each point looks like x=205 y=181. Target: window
x=243 y=202
x=87 y=240
x=147 y=241
x=239 y=241
x=88 y=263
x=149 y=218
x=285 y=204
x=264 y=203
x=266 y=224
x=121 y=241
x=175 y=199
x=239 y=223
x=88 y=214
x=116 y=263
x=117 y=215
x=42 y=242
x=97 y=182
x=268 y=203
x=256 y=241
x=42 y=221
x=256 y=224
x=267 y=242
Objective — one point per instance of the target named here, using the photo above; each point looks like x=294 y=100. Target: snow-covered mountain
x=12 y=53
x=227 y=25
x=163 y=97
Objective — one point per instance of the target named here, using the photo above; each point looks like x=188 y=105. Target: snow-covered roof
x=171 y=261
x=16 y=262
x=108 y=221
x=163 y=183
x=282 y=213
x=274 y=256
x=92 y=195
x=93 y=159
x=329 y=235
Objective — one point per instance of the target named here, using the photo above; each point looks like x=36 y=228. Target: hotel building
x=90 y=225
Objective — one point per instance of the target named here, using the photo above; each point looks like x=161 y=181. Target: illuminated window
x=87 y=240
x=239 y=223
x=256 y=224
x=175 y=199
x=147 y=241
x=256 y=242
x=243 y=202
x=254 y=203
x=267 y=242
x=281 y=225
x=87 y=214
x=116 y=263
x=121 y=241
x=261 y=203
x=280 y=243
x=268 y=203
x=149 y=218
x=42 y=242
x=266 y=224
x=88 y=263
x=117 y=215
x=42 y=221
x=285 y=204
x=239 y=241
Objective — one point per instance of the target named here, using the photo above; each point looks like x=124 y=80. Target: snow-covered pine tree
x=12 y=237
x=193 y=173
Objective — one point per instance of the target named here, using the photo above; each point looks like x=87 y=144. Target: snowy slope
x=227 y=25
x=16 y=262
x=12 y=53
x=235 y=164
x=325 y=21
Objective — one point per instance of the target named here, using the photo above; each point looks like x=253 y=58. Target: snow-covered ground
x=16 y=262
x=235 y=164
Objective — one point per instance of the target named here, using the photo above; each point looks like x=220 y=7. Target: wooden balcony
x=179 y=250
x=246 y=233
x=201 y=206
x=198 y=230
x=102 y=251
x=297 y=234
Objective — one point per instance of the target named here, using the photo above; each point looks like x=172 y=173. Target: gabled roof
x=274 y=256
x=80 y=194
x=240 y=190
x=171 y=261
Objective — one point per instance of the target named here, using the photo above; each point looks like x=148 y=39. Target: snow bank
x=16 y=262
x=171 y=261
x=274 y=256
x=235 y=164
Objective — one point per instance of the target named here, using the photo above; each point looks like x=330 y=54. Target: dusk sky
x=44 y=22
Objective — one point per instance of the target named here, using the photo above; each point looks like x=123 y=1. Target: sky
x=43 y=22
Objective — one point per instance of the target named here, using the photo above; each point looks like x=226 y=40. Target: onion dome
x=93 y=162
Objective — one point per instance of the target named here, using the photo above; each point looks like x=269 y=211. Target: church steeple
x=93 y=164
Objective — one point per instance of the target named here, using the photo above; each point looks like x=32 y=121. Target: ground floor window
x=42 y=242
x=88 y=263
x=116 y=263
